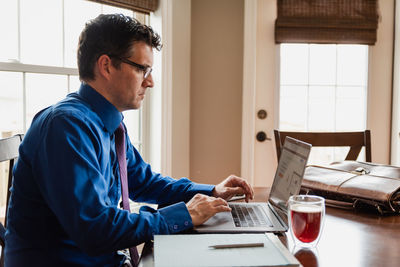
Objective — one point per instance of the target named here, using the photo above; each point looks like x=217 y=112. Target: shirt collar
x=107 y=112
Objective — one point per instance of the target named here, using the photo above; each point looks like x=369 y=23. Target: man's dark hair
x=112 y=34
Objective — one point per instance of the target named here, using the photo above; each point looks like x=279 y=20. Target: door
x=259 y=98
x=320 y=87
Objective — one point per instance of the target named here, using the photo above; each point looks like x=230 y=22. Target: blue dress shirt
x=64 y=210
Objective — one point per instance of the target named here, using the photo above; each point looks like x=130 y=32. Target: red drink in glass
x=306 y=218
x=306 y=222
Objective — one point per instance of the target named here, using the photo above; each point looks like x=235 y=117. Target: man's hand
x=231 y=186
x=202 y=207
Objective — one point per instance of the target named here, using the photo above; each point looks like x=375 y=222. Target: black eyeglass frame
x=146 y=70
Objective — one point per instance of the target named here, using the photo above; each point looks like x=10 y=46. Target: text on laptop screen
x=288 y=177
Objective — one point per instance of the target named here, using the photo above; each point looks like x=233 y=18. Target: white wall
x=176 y=87
x=395 y=155
x=154 y=99
x=379 y=112
x=216 y=89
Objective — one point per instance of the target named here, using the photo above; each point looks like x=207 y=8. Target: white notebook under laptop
x=268 y=216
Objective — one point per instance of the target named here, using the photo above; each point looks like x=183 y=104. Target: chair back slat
x=9 y=148
x=353 y=152
x=2 y=234
x=354 y=140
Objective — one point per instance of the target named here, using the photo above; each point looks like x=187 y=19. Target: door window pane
x=321 y=108
x=324 y=155
x=293 y=108
x=295 y=63
x=41 y=32
x=351 y=111
x=322 y=64
x=352 y=65
x=330 y=94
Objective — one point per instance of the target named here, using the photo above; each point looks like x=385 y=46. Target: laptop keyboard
x=249 y=216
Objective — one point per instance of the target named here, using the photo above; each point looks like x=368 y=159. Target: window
x=38 y=61
x=323 y=87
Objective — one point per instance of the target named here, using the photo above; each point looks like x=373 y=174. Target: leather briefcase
x=355 y=185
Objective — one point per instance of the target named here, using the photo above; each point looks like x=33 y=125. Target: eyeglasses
x=146 y=70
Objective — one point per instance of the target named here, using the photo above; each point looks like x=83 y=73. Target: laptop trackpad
x=220 y=218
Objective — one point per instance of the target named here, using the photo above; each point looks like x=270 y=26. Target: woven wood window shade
x=327 y=21
x=144 y=6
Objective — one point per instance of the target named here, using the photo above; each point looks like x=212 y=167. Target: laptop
x=268 y=216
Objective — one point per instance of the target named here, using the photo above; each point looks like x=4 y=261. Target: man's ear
x=104 y=66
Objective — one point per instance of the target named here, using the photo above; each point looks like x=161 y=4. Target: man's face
x=128 y=85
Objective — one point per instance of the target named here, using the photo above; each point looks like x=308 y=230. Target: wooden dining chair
x=354 y=140
x=8 y=153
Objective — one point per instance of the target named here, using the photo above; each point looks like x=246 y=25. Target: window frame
x=16 y=66
x=309 y=84
x=335 y=153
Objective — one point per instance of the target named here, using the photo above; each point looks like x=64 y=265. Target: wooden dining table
x=349 y=238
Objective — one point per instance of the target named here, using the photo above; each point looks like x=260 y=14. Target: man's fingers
x=237 y=181
x=247 y=188
x=220 y=205
x=235 y=191
x=222 y=208
x=219 y=201
x=202 y=207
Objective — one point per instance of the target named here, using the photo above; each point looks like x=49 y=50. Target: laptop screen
x=290 y=171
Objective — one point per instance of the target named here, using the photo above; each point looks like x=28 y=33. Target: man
x=64 y=205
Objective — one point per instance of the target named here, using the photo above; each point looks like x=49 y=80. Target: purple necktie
x=121 y=154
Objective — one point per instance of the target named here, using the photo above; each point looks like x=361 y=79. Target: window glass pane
x=331 y=95
x=43 y=90
x=361 y=156
x=340 y=153
x=77 y=13
x=8 y=30
x=132 y=122
x=74 y=83
x=321 y=108
x=352 y=65
x=41 y=32
x=293 y=108
x=11 y=106
x=294 y=62
x=323 y=64
x=324 y=155
x=351 y=109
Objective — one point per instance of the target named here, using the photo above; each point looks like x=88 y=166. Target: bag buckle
x=362 y=170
